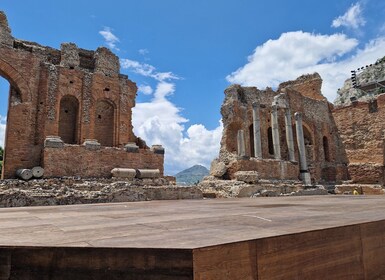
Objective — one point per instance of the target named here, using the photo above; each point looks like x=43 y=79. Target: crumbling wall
x=361 y=126
x=326 y=158
x=62 y=93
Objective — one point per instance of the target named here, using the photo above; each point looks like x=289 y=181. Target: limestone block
x=53 y=142
x=37 y=172
x=217 y=168
x=147 y=173
x=247 y=176
x=128 y=173
x=69 y=55
x=157 y=149
x=91 y=144
x=24 y=174
x=106 y=62
x=131 y=147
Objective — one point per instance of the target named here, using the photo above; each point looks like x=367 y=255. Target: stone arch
x=105 y=122
x=69 y=119
x=16 y=80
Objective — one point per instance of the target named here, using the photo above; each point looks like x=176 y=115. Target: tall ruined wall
x=73 y=93
x=325 y=155
x=359 y=113
x=361 y=126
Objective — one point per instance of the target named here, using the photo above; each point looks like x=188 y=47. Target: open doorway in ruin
x=4 y=95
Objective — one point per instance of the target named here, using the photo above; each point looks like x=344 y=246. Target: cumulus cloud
x=352 y=18
x=297 y=53
x=3 y=121
x=145 y=89
x=160 y=121
x=110 y=38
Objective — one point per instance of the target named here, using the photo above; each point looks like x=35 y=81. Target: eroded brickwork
x=73 y=93
x=324 y=151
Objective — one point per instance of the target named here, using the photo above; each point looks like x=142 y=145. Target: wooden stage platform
x=317 y=237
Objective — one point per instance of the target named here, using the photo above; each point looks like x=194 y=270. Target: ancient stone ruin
x=69 y=111
x=293 y=138
x=359 y=114
x=284 y=135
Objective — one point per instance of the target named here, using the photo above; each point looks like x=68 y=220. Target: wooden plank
x=324 y=254
x=373 y=249
x=228 y=261
x=95 y=263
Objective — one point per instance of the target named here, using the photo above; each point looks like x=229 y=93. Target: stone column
x=241 y=143
x=305 y=175
x=289 y=134
x=275 y=132
x=257 y=131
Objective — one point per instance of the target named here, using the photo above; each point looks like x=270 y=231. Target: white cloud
x=296 y=53
x=146 y=70
x=352 y=18
x=145 y=89
x=3 y=121
x=143 y=51
x=161 y=122
x=110 y=38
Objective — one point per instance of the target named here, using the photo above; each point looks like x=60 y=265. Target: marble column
x=257 y=131
x=275 y=132
x=289 y=134
x=241 y=143
x=305 y=175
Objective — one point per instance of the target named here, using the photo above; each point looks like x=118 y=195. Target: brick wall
x=76 y=160
x=362 y=132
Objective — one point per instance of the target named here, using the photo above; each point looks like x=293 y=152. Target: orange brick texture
x=73 y=93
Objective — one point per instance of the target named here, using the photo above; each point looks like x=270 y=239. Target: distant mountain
x=191 y=175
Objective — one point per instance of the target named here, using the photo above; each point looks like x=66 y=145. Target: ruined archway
x=104 y=123
x=68 y=119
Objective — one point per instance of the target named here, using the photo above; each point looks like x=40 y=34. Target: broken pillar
x=289 y=135
x=257 y=131
x=275 y=132
x=241 y=143
x=305 y=175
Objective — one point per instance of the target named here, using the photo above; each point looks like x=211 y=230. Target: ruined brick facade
x=75 y=94
x=325 y=155
x=359 y=113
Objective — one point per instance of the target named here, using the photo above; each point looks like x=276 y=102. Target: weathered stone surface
x=53 y=142
x=123 y=173
x=37 y=172
x=366 y=189
x=217 y=168
x=247 y=176
x=71 y=190
x=131 y=148
x=91 y=144
x=147 y=173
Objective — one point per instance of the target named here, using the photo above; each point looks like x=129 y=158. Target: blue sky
x=183 y=54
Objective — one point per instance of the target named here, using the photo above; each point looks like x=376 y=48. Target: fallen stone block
x=247 y=176
x=37 y=172
x=24 y=174
x=217 y=168
x=128 y=173
x=147 y=173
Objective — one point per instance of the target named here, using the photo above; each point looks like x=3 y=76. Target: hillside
x=191 y=175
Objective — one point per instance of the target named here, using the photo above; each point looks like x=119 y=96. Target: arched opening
x=270 y=141
x=68 y=119
x=4 y=95
x=104 y=123
x=251 y=137
x=325 y=143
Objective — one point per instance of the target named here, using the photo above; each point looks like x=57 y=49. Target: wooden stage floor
x=317 y=237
